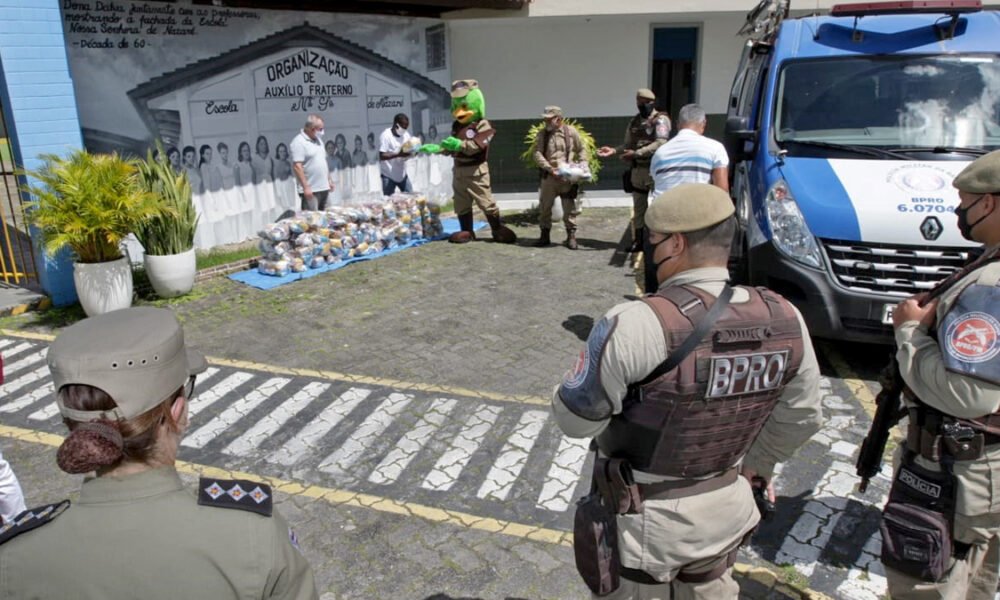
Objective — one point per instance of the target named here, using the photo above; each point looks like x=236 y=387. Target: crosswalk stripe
x=272 y=421
x=5 y=342
x=23 y=363
x=46 y=412
x=29 y=398
x=18 y=348
x=12 y=386
x=512 y=458
x=344 y=457
x=447 y=469
x=236 y=411
x=304 y=441
x=406 y=449
x=209 y=373
x=564 y=475
x=203 y=400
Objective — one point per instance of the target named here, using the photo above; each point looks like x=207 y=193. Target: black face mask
x=652 y=252
x=964 y=227
x=646 y=109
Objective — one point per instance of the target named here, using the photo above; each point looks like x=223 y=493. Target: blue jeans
x=389 y=186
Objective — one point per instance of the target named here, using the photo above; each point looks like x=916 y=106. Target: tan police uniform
x=143 y=535
x=694 y=534
x=953 y=368
x=553 y=149
x=644 y=135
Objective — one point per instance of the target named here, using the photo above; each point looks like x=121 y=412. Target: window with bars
x=437 y=49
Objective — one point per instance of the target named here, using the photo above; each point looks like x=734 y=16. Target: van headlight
x=788 y=228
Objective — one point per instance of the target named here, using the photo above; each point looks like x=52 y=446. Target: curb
x=41 y=303
x=773 y=582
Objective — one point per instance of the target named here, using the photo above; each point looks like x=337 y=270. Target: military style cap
x=982 y=176
x=461 y=88
x=689 y=207
x=645 y=93
x=552 y=111
x=136 y=355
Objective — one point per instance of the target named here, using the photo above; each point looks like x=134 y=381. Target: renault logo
x=931 y=228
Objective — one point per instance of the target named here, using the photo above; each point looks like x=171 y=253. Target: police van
x=845 y=131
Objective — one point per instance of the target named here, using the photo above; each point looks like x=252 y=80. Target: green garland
x=589 y=146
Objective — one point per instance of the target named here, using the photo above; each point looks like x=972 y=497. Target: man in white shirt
x=312 y=177
x=689 y=157
x=392 y=159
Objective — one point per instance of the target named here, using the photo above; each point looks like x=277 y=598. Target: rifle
x=889 y=411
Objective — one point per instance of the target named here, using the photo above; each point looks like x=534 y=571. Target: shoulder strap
x=692 y=340
x=236 y=493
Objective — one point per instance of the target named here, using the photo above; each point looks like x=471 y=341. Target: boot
x=501 y=233
x=544 y=240
x=571 y=240
x=466 y=234
x=637 y=240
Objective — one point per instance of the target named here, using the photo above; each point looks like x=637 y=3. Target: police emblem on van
x=746 y=373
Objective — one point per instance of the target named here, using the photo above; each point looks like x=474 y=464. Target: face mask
x=964 y=227
x=646 y=109
x=656 y=267
x=550 y=126
x=320 y=132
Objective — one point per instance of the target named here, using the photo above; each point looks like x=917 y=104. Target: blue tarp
x=266 y=282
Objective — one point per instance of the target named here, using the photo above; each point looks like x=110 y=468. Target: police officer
x=557 y=144
x=123 y=381
x=947 y=352
x=647 y=131
x=743 y=396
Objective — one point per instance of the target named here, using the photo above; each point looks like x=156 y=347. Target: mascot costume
x=469 y=144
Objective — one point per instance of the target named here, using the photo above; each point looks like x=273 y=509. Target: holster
x=627 y=181
x=617 y=485
x=936 y=437
x=595 y=535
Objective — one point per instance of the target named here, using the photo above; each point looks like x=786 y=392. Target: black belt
x=672 y=490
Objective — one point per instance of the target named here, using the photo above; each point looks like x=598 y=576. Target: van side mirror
x=740 y=140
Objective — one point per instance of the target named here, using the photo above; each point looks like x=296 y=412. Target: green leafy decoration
x=89 y=202
x=173 y=231
x=589 y=146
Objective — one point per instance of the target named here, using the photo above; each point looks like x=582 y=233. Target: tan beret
x=645 y=93
x=461 y=87
x=689 y=207
x=982 y=176
x=552 y=111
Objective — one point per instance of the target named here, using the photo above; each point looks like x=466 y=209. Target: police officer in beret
x=123 y=381
x=948 y=341
x=694 y=393
x=646 y=132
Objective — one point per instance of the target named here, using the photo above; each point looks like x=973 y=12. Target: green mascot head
x=467 y=101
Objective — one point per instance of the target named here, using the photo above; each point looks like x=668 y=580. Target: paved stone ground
x=402 y=414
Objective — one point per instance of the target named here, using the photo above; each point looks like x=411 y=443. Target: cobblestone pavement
x=400 y=409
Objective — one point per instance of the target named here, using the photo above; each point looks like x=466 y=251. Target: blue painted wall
x=36 y=93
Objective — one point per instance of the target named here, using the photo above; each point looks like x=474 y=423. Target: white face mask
x=320 y=132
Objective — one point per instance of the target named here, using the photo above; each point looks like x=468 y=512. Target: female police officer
x=123 y=381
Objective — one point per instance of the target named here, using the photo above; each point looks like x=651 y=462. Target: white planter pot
x=103 y=287
x=171 y=275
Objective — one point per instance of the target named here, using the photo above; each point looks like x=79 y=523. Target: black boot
x=501 y=233
x=544 y=240
x=636 y=240
x=571 y=240
x=465 y=234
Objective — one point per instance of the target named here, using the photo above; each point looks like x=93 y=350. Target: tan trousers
x=974 y=578
x=550 y=189
x=472 y=184
x=641 y=180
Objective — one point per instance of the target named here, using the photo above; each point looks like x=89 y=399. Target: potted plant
x=90 y=202
x=168 y=239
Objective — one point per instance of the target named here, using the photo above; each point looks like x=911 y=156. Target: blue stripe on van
x=824 y=203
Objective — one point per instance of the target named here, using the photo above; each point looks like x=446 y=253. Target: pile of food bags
x=312 y=239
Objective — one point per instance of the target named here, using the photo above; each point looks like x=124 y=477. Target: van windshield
x=892 y=103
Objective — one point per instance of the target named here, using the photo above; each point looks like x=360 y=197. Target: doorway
x=675 y=52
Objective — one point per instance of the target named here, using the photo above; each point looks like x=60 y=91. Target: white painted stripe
x=450 y=465
x=512 y=458
x=236 y=411
x=272 y=421
x=5 y=342
x=12 y=386
x=203 y=377
x=18 y=348
x=203 y=400
x=564 y=474
x=45 y=413
x=304 y=441
x=27 y=361
x=409 y=445
x=343 y=458
x=29 y=398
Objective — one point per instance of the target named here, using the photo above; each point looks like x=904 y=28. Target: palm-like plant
x=589 y=146
x=88 y=202
x=173 y=232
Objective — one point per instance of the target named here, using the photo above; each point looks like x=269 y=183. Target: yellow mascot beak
x=463 y=115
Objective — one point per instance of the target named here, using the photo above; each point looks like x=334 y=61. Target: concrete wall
x=36 y=94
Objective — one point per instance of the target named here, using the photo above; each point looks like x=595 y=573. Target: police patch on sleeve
x=969 y=335
x=581 y=390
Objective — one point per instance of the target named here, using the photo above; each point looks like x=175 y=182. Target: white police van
x=845 y=131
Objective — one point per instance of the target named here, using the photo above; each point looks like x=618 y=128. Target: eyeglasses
x=189 y=388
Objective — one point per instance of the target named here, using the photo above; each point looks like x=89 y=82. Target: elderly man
x=312 y=177
x=694 y=394
x=948 y=350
